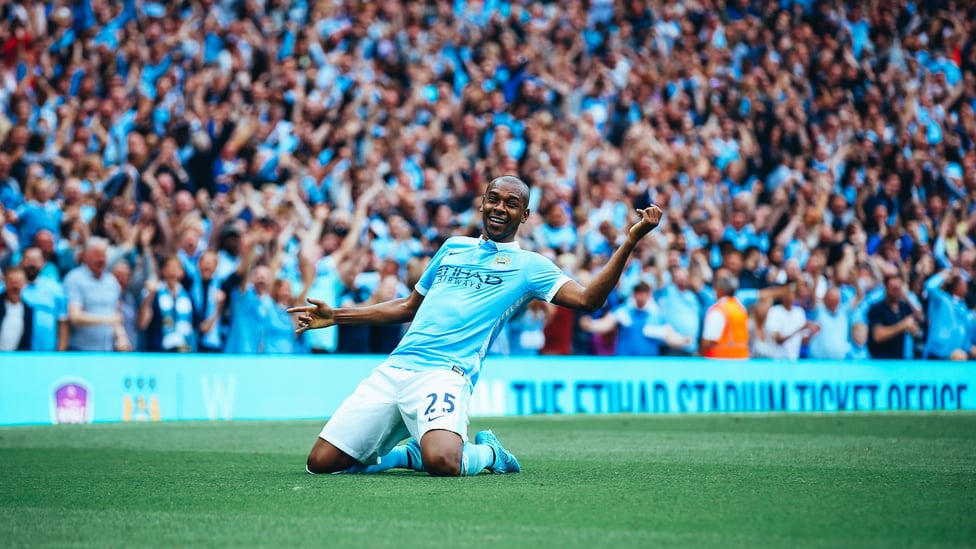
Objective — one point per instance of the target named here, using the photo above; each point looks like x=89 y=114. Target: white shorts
x=392 y=404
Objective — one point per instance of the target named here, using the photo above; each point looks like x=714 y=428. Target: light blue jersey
x=471 y=287
x=50 y=305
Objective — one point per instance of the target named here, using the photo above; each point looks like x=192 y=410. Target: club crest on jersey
x=503 y=260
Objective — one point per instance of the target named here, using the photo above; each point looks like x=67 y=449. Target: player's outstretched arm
x=318 y=314
x=593 y=297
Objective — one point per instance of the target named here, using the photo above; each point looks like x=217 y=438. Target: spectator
x=384 y=339
x=400 y=244
x=527 y=328
x=754 y=272
x=556 y=232
x=57 y=262
x=725 y=334
x=209 y=300
x=46 y=296
x=40 y=211
x=189 y=251
x=279 y=326
x=832 y=340
x=337 y=244
x=16 y=317
x=11 y=194
x=684 y=311
x=9 y=243
x=354 y=339
x=249 y=300
x=166 y=312
x=787 y=327
x=129 y=303
x=93 y=303
x=950 y=322
x=740 y=232
x=891 y=322
x=627 y=323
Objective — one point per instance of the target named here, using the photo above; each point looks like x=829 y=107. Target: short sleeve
x=714 y=325
x=545 y=278
x=73 y=291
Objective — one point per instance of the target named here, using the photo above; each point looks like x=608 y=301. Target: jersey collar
x=492 y=245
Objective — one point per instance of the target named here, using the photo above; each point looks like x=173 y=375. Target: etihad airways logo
x=461 y=276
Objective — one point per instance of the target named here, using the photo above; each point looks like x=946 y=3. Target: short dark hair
x=889 y=278
x=512 y=179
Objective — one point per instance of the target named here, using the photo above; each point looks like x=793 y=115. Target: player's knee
x=443 y=464
x=317 y=464
x=441 y=453
x=326 y=458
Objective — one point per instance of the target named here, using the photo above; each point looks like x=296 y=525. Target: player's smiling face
x=504 y=208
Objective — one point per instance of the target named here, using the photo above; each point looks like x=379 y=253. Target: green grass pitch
x=845 y=480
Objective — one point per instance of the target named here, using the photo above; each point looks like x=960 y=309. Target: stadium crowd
x=174 y=175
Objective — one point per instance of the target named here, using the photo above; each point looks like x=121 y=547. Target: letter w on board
x=218 y=396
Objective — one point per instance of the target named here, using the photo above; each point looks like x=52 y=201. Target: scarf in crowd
x=176 y=313
x=210 y=339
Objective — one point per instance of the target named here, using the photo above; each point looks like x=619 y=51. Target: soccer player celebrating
x=464 y=297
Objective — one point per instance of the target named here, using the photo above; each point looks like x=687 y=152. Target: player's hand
x=650 y=218
x=313 y=316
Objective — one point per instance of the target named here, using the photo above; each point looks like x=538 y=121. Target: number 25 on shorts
x=436 y=410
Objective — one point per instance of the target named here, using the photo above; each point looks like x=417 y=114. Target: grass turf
x=858 y=480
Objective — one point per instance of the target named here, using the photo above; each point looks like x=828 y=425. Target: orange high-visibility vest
x=734 y=342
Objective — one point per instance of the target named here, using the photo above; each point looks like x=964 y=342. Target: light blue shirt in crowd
x=279 y=331
x=47 y=298
x=950 y=321
x=248 y=316
x=684 y=312
x=744 y=238
x=631 y=321
x=471 y=287
x=833 y=339
x=326 y=286
x=97 y=296
x=562 y=238
x=35 y=216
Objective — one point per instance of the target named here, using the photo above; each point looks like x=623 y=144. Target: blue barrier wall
x=81 y=387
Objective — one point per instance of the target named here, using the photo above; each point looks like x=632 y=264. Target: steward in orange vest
x=732 y=341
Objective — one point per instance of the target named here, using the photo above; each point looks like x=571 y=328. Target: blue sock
x=475 y=457
x=396 y=458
